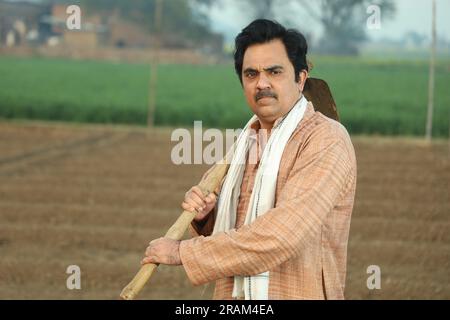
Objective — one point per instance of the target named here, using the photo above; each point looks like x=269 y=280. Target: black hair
x=262 y=31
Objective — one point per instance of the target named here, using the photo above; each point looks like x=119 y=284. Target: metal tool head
x=318 y=92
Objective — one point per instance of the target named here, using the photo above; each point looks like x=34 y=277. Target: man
x=280 y=227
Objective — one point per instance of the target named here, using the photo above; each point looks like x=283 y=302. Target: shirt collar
x=256 y=125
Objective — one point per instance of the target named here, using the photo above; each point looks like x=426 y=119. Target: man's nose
x=263 y=82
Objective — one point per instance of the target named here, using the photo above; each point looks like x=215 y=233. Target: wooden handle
x=176 y=232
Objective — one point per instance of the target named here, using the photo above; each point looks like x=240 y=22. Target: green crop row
x=373 y=96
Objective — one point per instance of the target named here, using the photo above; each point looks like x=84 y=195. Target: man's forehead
x=265 y=55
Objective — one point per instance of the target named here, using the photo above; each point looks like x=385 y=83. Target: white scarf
x=255 y=287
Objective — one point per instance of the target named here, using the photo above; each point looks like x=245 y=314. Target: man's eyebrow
x=272 y=68
x=250 y=70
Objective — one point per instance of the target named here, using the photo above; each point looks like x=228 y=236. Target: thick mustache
x=265 y=94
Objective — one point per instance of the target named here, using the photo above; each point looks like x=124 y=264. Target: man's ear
x=303 y=75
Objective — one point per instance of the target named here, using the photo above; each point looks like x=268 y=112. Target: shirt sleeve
x=320 y=173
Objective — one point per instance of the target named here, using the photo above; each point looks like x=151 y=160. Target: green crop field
x=373 y=96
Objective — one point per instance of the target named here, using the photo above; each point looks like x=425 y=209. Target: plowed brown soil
x=94 y=196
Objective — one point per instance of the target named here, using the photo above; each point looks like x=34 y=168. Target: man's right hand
x=194 y=201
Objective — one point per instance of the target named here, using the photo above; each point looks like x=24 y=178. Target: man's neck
x=269 y=125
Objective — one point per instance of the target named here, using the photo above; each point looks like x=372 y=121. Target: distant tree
x=343 y=21
x=179 y=16
x=414 y=38
x=256 y=9
x=263 y=9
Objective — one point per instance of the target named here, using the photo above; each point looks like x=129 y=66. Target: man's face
x=268 y=79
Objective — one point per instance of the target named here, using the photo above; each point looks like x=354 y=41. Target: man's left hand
x=163 y=250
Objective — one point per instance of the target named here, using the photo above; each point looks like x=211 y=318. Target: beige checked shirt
x=302 y=241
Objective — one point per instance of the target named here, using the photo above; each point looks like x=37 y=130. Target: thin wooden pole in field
x=449 y=134
x=154 y=64
x=429 y=127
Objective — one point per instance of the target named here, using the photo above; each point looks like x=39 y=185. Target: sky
x=411 y=15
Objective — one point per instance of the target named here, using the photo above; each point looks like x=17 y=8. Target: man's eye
x=276 y=72
x=250 y=75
